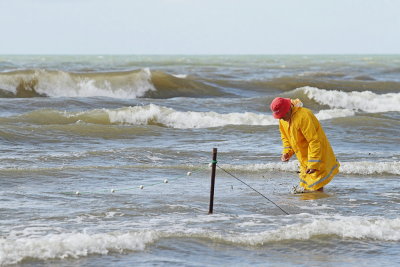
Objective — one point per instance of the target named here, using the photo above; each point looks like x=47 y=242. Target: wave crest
x=360 y=83
x=366 y=101
x=125 y=84
x=344 y=227
x=73 y=245
x=357 y=167
x=76 y=245
x=158 y=115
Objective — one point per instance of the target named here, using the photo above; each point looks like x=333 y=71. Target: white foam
x=354 y=227
x=74 y=245
x=368 y=168
x=180 y=76
x=334 y=113
x=365 y=101
x=64 y=84
x=343 y=227
x=358 y=167
x=290 y=166
x=61 y=246
x=153 y=114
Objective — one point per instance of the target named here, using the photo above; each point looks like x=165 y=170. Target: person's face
x=287 y=115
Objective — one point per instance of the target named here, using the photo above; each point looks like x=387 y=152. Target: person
x=302 y=134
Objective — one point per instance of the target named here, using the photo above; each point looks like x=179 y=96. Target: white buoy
x=189 y=173
x=210 y=165
x=77 y=193
x=141 y=187
x=166 y=181
x=113 y=190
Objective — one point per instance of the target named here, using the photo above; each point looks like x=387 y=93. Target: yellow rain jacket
x=303 y=135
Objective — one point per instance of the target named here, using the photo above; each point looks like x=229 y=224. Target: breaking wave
x=126 y=84
x=332 y=104
x=77 y=245
x=163 y=116
x=366 y=101
x=343 y=227
x=158 y=115
x=358 y=167
x=73 y=245
x=360 y=83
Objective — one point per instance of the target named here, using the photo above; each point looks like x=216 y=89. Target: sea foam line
x=154 y=114
x=345 y=227
x=76 y=245
x=159 y=115
x=357 y=167
x=132 y=84
x=366 y=101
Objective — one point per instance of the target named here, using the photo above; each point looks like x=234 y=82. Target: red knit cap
x=280 y=106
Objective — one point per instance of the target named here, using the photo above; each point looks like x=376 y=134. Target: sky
x=200 y=27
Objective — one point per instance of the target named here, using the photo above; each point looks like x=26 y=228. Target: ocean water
x=105 y=161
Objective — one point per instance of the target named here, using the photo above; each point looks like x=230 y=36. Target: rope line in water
x=113 y=190
x=252 y=189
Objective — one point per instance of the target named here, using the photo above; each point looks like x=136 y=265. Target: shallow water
x=80 y=135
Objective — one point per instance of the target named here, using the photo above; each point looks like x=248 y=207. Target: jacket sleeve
x=287 y=148
x=309 y=128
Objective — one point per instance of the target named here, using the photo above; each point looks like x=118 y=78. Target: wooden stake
x=213 y=168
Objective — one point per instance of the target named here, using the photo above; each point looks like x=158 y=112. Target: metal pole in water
x=213 y=168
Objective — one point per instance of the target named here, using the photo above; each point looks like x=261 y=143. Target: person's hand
x=285 y=157
x=309 y=171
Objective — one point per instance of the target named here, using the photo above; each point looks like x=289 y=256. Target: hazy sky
x=200 y=26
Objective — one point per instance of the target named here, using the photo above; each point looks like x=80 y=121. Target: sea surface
x=105 y=161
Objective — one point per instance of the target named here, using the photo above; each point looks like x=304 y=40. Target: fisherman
x=302 y=134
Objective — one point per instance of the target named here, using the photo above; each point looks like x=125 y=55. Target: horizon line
x=201 y=54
